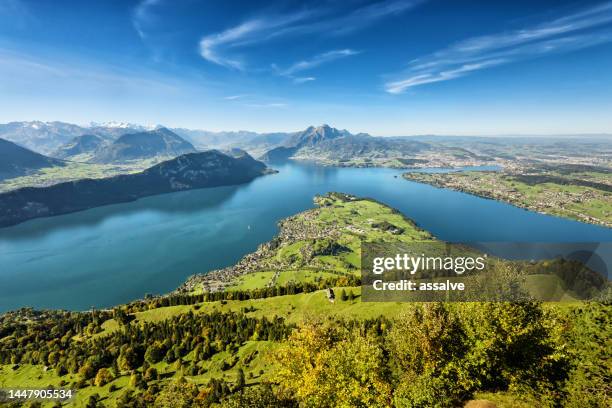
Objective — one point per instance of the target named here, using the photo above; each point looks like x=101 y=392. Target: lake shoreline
x=507 y=198
x=113 y=254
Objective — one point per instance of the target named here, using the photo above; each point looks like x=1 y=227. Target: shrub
x=424 y=391
x=589 y=382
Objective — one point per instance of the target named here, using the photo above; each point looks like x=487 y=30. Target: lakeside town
x=579 y=192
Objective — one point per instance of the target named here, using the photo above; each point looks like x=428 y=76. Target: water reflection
x=184 y=202
x=114 y=254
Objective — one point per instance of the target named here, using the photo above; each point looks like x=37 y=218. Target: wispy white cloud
x=209 y=46
x=302 y=80
x=564 y=34
x=234 y=97
x=366 y=15
x=428 y=78
x=317 y=60
x=256 y=101
x=212 y=46
x=216 y=47
x=143 y=16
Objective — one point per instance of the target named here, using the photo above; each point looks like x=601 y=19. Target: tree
x=343 y=295
x=103 y=377
x=129 y=400
x=511 y=347
x=136 y=380
x=115 y=368
x=150 y=374
x=240 y=381
x=261 y=396
x=589 y=382
x=427 y=345
x=178 y=394
x=178 y=365
x=87 y=371
x=128 y=359
x=93 y=401
x=122 y=317
x=53 y=358
x=60 y=370
x=325 y=366
x=154 y=354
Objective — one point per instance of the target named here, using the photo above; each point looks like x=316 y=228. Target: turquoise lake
x=117 y=253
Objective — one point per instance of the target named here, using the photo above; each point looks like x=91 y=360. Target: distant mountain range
x=104 y=142
x=194 y=170
x=143 y=145
x=315 y=135
x=124 y=142
x=40 y=137
x=327 y=143
x=157 y=143
x=118 y=142
x=255 y=143
x=17 y=161
x=47 y=137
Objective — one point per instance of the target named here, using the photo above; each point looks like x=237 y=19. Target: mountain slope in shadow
x=195 y=170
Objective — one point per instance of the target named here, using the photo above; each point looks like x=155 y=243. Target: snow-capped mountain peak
x=122 y=125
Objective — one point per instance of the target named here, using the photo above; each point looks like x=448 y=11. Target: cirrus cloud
x=217 y=47
x=585 y=28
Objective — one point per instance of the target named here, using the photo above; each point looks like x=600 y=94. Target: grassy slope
x=75 y=170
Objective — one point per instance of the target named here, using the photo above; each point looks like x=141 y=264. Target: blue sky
x=387 y=67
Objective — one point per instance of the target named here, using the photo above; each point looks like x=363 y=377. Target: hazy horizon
x=203 y=129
